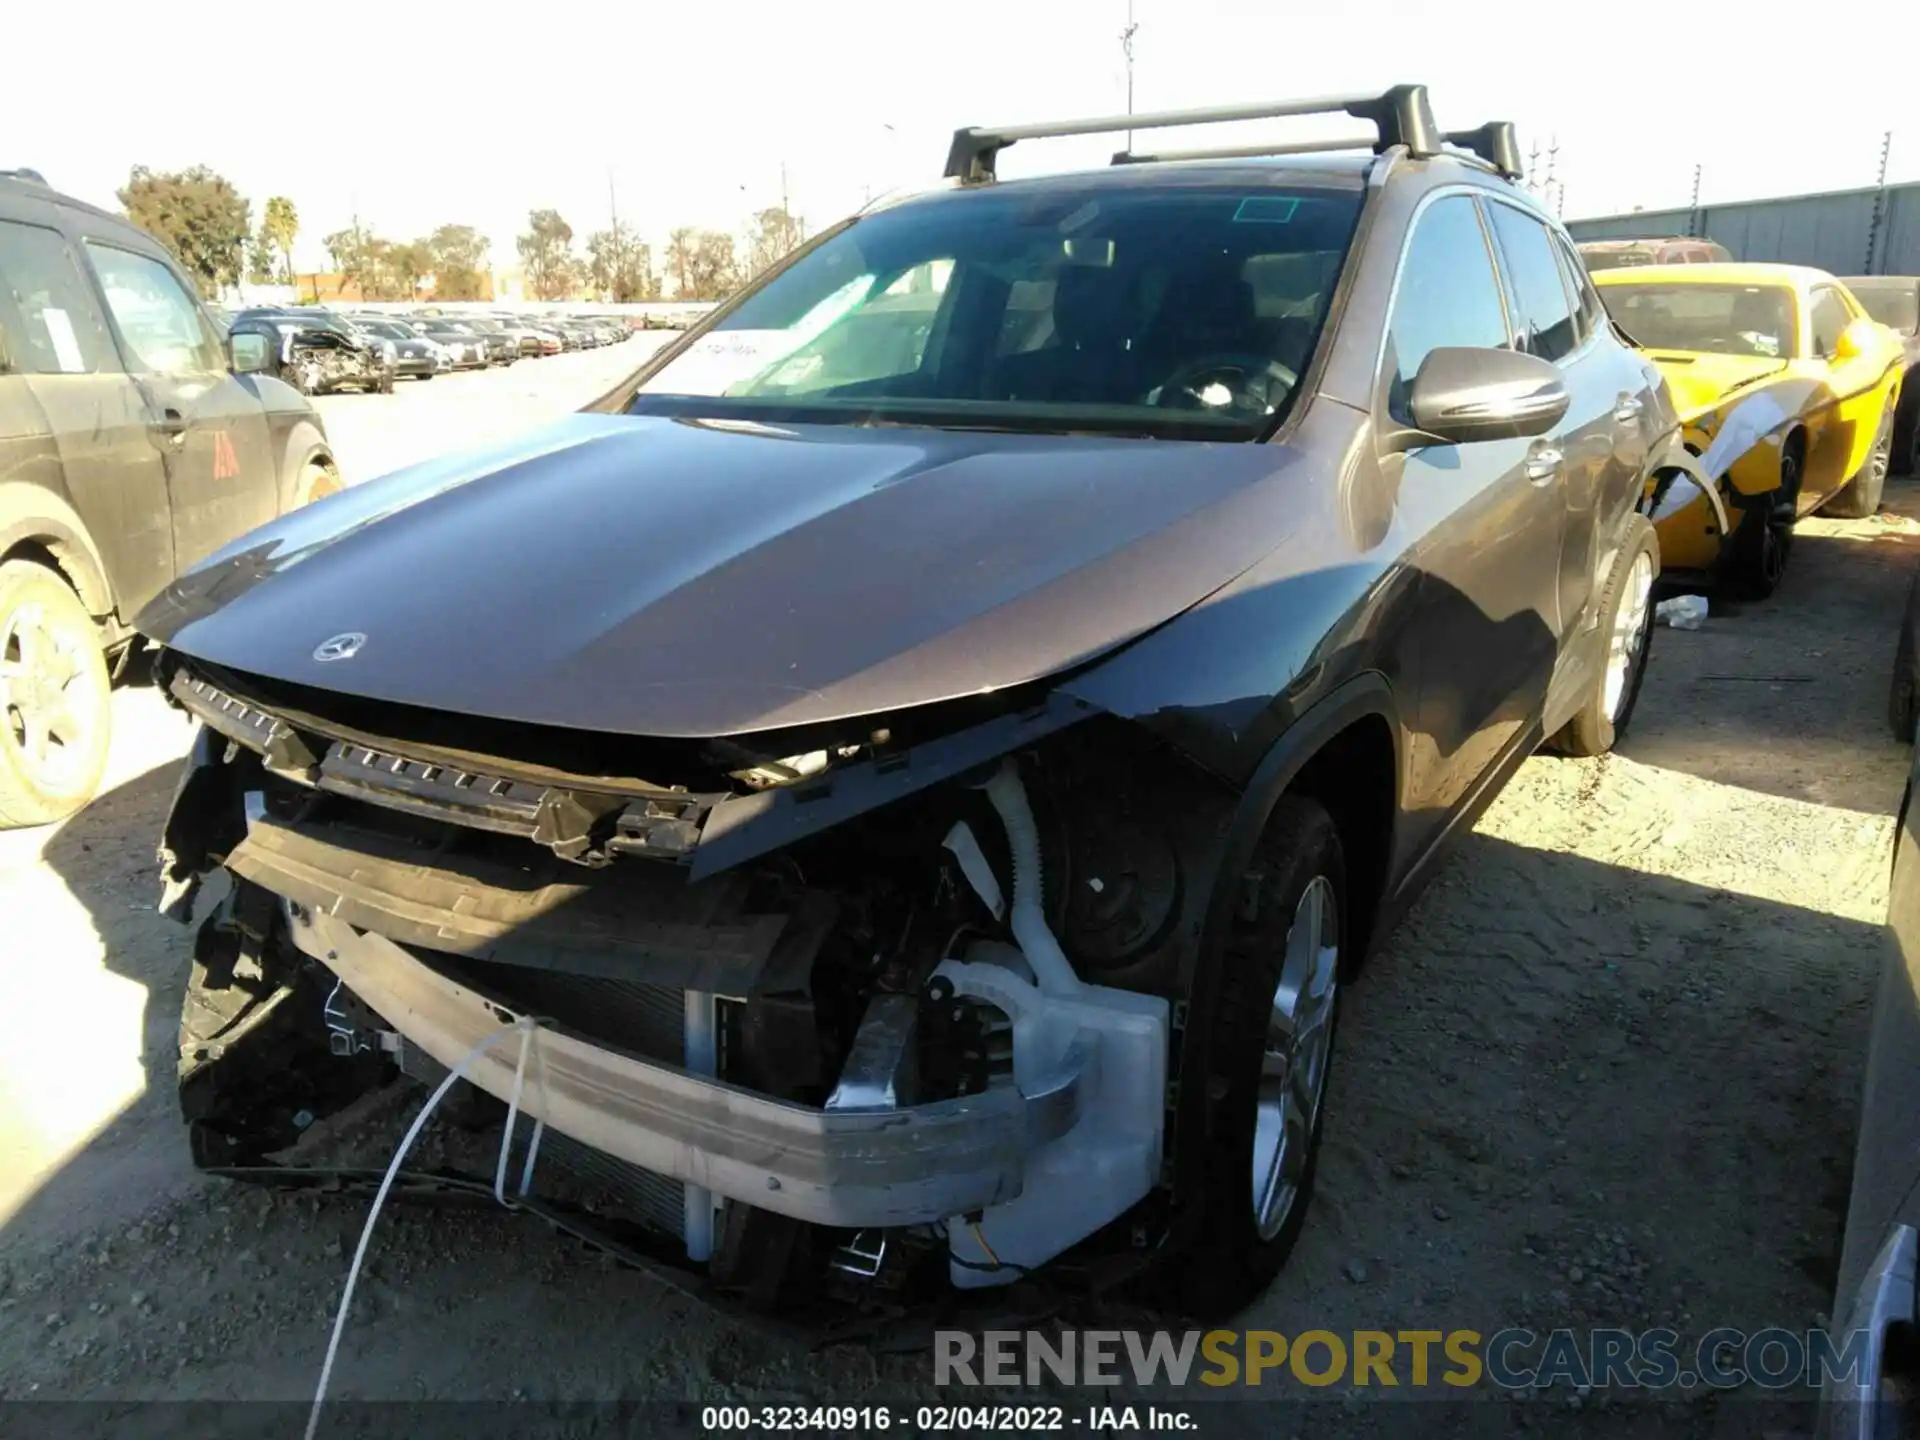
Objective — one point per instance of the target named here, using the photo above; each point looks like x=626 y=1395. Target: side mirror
x=1461 y=395
x=1856 y=340
x=246 y=353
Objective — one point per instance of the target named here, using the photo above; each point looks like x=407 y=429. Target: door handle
x=1544 y=464
x=1629 y=408
x=171 y=424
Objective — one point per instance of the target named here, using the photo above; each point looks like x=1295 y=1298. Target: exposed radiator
x=645 y=1020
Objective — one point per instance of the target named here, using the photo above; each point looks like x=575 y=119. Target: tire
x=307 y=471
x=55 y=698
x=1901 y=693
x=1287 y=937
x=1860 y=496
x=424 y=378
x=1626 y=620
x=1763 y=543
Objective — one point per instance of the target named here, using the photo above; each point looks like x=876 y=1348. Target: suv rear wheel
x=1626 y=622
x=54 y=698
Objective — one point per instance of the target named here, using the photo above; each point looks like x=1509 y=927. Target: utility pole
x=1553 y=177
x=1126 y=49
x=1879 y=203
x=1693 y=206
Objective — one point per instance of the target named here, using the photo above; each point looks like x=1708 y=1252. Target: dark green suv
x=132 y=444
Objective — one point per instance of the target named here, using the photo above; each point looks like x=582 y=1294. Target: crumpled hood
x=690 y=578
x=1700 y=382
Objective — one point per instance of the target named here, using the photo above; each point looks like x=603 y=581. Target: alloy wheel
x=1293 y=1067
x=48 y=711
x=1880 y=461
x=1629 y=633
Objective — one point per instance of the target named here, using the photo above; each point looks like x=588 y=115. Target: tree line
x=208 y=225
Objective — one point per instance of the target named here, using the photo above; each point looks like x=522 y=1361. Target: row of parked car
x=318 y=351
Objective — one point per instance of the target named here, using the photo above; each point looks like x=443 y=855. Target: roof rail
x=1495 y=143
x=1246 y=152
x=1401 y=116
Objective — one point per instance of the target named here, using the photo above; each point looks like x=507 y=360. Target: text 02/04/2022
x=938 y=1419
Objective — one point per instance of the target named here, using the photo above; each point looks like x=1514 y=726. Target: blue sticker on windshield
x=1267 y=209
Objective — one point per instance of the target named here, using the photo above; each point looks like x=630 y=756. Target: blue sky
x=476 y=114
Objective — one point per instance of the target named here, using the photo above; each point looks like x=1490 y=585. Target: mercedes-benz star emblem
x=340 y=647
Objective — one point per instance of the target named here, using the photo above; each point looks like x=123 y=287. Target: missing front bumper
x=843 y=1168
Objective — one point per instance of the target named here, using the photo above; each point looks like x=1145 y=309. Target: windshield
x=1895 y=306
x=1176 y=309
x=1707 y=319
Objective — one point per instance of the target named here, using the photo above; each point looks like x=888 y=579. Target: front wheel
x=1860 y=497
x=1271 y=1050
x=1626 y=622
x=1762 y=542
x=55 y=715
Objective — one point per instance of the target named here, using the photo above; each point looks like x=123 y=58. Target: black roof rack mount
x=1495 y=143
x=1401 y=116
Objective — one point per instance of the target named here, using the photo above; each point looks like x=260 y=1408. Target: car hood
x=677 y=577
x=1700 y=381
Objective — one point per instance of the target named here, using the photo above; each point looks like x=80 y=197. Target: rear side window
x=1588 y=314
x=1539 y=292
x=160 y=322
x=50 y=322
x=1829 y=316
x=1447 y=295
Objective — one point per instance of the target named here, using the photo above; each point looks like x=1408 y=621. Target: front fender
x=33 y=512
x=1674 y=476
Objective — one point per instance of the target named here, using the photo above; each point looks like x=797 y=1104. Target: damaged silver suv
x=929 y=749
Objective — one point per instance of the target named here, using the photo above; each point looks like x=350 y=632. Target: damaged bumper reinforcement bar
x=917 y=1164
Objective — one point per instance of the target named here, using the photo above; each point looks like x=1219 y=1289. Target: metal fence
x=1846 y=232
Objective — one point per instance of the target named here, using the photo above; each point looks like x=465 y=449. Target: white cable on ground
x=526 y=1026
x=513 y=1119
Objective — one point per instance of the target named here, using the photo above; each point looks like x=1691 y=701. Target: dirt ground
x=1605 y=1073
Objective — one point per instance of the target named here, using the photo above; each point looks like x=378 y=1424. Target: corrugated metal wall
x=1829 y=231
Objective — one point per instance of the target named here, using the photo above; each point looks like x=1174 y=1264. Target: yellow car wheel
x=1861 y=495
x=1763 y=538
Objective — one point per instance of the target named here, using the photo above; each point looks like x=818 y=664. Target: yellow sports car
x=1786 y=392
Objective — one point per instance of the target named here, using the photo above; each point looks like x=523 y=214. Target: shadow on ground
x=1788 y=696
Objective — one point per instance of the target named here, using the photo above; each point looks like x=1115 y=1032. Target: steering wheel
x=1229 y=382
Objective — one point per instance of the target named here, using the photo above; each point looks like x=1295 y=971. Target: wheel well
x=1355 y=777
x=59 y=558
